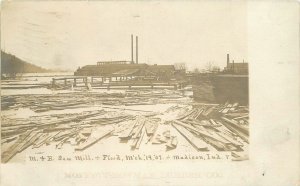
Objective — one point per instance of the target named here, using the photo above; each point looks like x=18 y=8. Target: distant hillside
x=12 y=65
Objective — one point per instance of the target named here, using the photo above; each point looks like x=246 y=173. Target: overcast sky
x=70 y=34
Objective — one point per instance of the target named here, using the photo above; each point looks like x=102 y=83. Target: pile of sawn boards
x=224 y=127
x=82 y=130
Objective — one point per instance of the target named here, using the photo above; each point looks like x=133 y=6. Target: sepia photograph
x=126 y=81
x=75 y=83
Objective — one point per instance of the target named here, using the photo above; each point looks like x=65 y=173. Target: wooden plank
x=208 y=111
x=7 y=140
x=197 y=143
x=213 y=135
x=199 y=113
x=128 y=132
x=169 y=143
x=13 y=150
x=237 y=132
x=150 y=127
x=230 y=139
x=134 y=142
x=42 y=142
x=225 y=110
x=140 y=140
x=172 y=143
x=186 y=114
x=139 y=128
x=194 y=129
x=95 y=136
x=236 y=125
x=70 y=133
x=60 y=144
x=213 y=122
x=210 y=137
x=30 y=140
x=156 y=139
x=225 y=130
x=241 y=117
x=41 y=138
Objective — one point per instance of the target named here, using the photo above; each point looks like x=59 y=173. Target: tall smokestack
x=227 y=60
x=137 y=50
x=132 y=49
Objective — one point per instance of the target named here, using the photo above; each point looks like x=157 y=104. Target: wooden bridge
x=107 y=82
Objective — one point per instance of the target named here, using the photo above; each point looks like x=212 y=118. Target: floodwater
x=109 y=145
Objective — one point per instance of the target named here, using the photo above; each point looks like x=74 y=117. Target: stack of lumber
x=134 y=132
x=146 y=128
x=224 y=127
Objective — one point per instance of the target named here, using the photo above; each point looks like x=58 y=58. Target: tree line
x=12 y=66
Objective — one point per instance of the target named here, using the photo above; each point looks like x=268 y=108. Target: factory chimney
x=132 y=49
x=227 y=60
x=136 y=50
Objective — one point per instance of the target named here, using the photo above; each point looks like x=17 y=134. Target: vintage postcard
x=147 y=92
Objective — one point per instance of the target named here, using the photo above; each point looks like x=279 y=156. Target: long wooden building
x=126 y=68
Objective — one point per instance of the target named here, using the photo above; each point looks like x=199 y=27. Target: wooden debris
x=140 y=140
x=157 y=139
x=172 y=143
x=224 y=127
x=95 y=136
x=198 y=143
x=126 y=134
x=14 y=149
